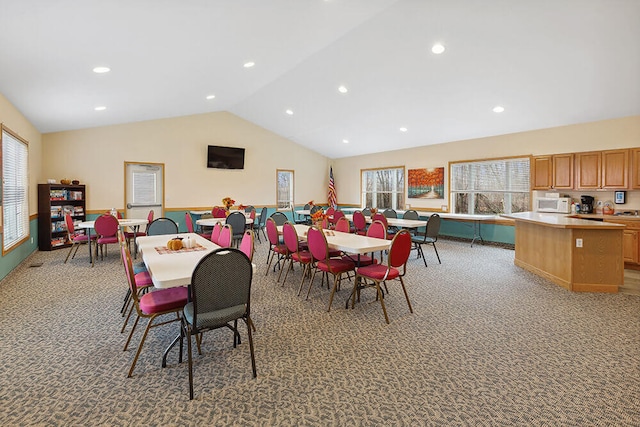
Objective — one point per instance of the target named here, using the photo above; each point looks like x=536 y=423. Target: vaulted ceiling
x=546 y=62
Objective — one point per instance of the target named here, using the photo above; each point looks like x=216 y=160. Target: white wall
x=602 y=135
x=96 y=158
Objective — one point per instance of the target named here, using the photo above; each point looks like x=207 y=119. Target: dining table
x=396 y=222
x=134 y=223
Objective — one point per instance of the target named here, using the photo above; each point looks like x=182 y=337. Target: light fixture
x=100 y=108
x=403 y=129
x=101 y=70
x=342 y=89
x=345 y=141
x=437 y=48
x=211 y=96
x=498 y=109
x=249 y=64
x=289 y=112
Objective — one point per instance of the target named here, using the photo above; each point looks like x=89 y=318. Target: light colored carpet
x=487 y=345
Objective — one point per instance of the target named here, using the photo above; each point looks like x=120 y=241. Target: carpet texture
x=488 y=344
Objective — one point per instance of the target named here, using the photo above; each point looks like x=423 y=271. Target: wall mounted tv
x=225 y=157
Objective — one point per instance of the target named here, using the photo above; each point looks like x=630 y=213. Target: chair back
x=290 y=237
x=272 y=231
x=222 y=279
x=314 y=209
x=188 y=221
x=390 y=213
x=366 y=212
x=237 y=221
x=336 y=216
x=317 y=243
x=162 y=226
x=379 y=217
x=400 y=249
x=307 y=206
x=263 y=217
x=226 y=236
x=252 y=215
x=128 y=269
x=215 y=234
x=433 y=227
x=218 y=212
x=330 y=211
x=69 y=223
x=106 y=225
x=377 y=229
x=246 y=244
x=343 y=225
x=279 y=218
x=249 y=209
x=359 y=221
x=411 y=214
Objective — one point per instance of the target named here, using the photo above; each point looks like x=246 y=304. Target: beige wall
x=96 y=158
x=18 y=124
x=602 y=135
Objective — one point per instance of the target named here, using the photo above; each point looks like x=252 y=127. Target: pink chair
x=131 y=235
x=276 y=249
x=383 y=219
x=377 y=273
x=106 y=227
x=359 y=223
x=76 y=239
x=246 y=244
x=296 y=254
x=378 y=230
x=335 y=266
x=188 y=220
x=336 y=217
x=151 y=304
x=343 y=225
x=215 y=234
x=226 y=236
x=218 y=212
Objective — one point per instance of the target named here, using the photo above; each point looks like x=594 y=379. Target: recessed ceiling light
x=289 y=112
x=211 y=96
x=101 y=70
x=498 y=109
x=403 y=129
x=249 y=64
x=100 y=108
x=345 y=141
x=437 y=49
x=343 y=89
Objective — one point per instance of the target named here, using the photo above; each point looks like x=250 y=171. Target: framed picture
x=426 y=183
x=620 y=196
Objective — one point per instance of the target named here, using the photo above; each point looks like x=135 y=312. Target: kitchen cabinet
x=602 y=170
x=553 y=172
x=54 y=200
x=635 y=168
x=630 y=242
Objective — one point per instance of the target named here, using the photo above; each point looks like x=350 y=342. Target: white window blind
x=15 y=200
x=490 y=186
x=285 y=189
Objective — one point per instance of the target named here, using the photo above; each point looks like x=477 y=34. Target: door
x=144 y=189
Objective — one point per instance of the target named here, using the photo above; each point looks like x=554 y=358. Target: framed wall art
x=426 y=183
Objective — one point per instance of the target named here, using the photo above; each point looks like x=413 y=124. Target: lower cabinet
x=630 y=243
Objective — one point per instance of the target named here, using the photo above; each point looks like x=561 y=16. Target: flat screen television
x=225 y=157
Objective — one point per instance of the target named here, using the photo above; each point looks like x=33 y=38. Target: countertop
x=568 y=221
x=606 y=217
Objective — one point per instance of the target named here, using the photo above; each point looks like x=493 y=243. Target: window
x=383 y=188
x=15 y=197
x=490 y=186
x=284 y=191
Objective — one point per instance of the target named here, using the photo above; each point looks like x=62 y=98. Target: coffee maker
x=586 y=204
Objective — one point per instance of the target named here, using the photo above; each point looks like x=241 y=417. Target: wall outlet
x=578 y=243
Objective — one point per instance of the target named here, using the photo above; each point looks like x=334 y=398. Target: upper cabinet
x=553 y=172
x=635 y=168
x=602 y=169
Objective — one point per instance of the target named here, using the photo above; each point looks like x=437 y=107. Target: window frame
x=22 y=221
x=291 y=200
x=507 y=191
x=402 y=192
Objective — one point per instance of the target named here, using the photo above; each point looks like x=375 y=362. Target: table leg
x=476 y=233
x=89 y=245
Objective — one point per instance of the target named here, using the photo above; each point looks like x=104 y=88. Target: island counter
x=577 y=254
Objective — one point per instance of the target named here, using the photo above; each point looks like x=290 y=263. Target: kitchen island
x=577 y=254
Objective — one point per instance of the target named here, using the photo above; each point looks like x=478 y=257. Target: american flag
x=333 y=198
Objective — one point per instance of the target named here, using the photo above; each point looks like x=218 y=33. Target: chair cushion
x=336 y=265
x=216 y=318
x=82 y=238
x=164 y=300
x=107 y=240
x=143 y=279
x=281 y=249
x=378 y=272
x=303 y=257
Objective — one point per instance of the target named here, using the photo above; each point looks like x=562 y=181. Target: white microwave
x=553 y=204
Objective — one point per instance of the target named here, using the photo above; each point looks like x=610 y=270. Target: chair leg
x=190 y=362
x=304 y=273
x=70 y=250
x=126 y=321
x=249 y=322
x=288 y=270
x=126 y=345
x=126 y=302
x=421 y=254
x=436 y=249
x=336 y=280
x=142 y=340
x=381 y=298
x=406 y=295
